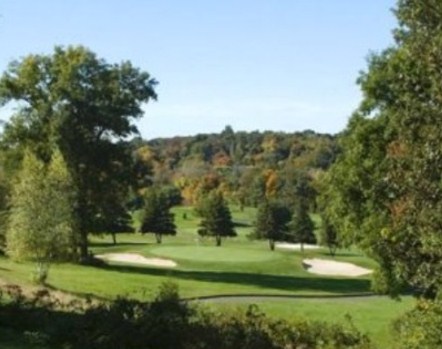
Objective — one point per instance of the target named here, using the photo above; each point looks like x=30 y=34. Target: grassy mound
x=204 y=253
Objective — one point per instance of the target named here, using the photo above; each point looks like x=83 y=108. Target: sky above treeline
x=282 y=65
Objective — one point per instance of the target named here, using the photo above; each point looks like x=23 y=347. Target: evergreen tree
x=157 y=218
x=302 y=227
x=272 y=222
x=216 y=218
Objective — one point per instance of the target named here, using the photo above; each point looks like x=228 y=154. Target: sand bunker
x=328 y=267
x=137 y=259
x=296 y=247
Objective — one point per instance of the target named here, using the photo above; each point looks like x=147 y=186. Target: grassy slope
x=372 y=316
x=239 y=266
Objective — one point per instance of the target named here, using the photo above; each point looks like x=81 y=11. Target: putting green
x=213 y=254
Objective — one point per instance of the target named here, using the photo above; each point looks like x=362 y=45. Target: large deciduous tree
x=86 y=107
x=216 y=218
x=385 y=190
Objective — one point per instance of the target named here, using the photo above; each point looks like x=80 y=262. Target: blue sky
x=284 y=65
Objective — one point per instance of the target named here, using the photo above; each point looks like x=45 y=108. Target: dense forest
x=245 y=166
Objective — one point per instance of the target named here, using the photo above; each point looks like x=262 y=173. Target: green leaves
x=216 y=218
x=157 y=217
x=42 y=220
x=272 y=222
x=80 y=104
x=384 y=191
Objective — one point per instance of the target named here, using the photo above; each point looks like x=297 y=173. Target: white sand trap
x=296 y=247
x=135 y=258
x=328 y=267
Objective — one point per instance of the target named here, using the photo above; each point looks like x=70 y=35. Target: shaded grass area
x=261 y=282
x=10 y=339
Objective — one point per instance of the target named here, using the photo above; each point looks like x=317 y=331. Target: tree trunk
x=302 y=247
x=218 y=240
x=272 y=244
x=114 y=238
x=83 y=243
x=82 y=215
x=332 y=250
x=159 y=238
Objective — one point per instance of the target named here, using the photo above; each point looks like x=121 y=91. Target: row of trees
x=275 y=222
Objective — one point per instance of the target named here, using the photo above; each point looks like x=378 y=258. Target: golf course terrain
x=224 y=278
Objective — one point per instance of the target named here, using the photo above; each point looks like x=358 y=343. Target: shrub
x=420 y=328
x=167 y=323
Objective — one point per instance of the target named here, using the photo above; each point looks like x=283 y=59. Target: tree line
x=245 y=166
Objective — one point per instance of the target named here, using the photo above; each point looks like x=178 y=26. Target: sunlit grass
x=239 y=266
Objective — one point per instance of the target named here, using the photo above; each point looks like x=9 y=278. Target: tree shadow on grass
x=240 y=224
x=119 y=244
x=265 y=281
x=339 y=254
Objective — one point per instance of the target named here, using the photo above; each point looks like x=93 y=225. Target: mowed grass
x=370 y=315
x=206 y=253
x=239 y=266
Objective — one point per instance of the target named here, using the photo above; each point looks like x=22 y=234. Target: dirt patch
x=135 y=258
x=328 y=267
x=296 y=247
x=59 y=299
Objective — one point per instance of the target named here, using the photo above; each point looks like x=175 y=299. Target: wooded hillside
x=244 y=166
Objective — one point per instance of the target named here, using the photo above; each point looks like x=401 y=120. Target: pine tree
x=272 y=222
x=302 y=226
x=216 y=218
x=157 y=218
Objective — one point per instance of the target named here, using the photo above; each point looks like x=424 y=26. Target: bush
x=167 y=323
x=421 y=327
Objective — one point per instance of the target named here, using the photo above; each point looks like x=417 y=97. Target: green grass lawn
x=372 y=316
x=239 y=266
